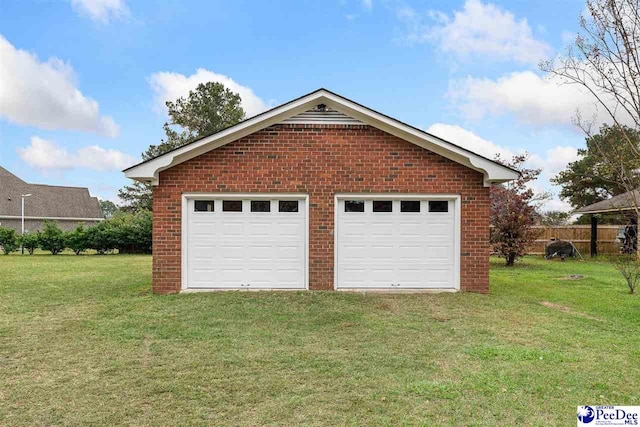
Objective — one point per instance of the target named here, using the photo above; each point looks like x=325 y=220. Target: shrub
x=101 y=237
x=8 y=240
x=51 y=238
x=77 y=240
x=126 y=232
x=629 y=266
x=29 y=241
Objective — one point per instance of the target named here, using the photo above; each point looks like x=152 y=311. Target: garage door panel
x=440 y=278
x=246 y=249
x=230 y=228
x=380 y=253
x=231 y=276
x=396 y=249
x=352 y=252
x=262 y=228
x=411 y=277
x=260 y=253
x=412 y=252
x=203 y=276
x=440 y=254
x=290 y=229
x=353 y=277
x=353 y=229
x=382 y=229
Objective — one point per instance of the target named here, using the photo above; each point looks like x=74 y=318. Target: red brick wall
x=320 y=160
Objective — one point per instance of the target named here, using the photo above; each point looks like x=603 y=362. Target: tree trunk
x=511 y=259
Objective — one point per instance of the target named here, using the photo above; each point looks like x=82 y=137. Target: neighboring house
x=321 y=193
x=68 y=206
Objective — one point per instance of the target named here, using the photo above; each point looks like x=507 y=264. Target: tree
x=8 y=240
x=208 y=109
x=108 y=208
x=29 y=241
x=76 y=240
x=555 y=218
x=51 y=238
x=513 y=212
x=604 y=60
x=595 y=176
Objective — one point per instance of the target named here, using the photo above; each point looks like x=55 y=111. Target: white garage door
x=396 y=243
x=245 y=244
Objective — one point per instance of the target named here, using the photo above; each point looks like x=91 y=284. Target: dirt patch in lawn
x=568 y=310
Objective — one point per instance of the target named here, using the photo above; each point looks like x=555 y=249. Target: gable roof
x=46 y=201
x=493 y=171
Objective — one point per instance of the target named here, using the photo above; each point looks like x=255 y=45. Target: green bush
x=125 y=232
x=77 y=240
x=8 y=240
x=51 y=238
x=29 y=241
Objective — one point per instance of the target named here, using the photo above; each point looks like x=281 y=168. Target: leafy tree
x=29 y=241
x=555 y=218
x=51 y=238
x=596 y=175
x=76 y=240
x=206 y=110
x=8 y=240
x=108 y=208
x=513 y=212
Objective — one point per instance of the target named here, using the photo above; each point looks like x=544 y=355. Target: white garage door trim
x=396 y=196
x=237 y=196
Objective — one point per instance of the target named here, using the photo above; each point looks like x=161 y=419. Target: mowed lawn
x=84 y=342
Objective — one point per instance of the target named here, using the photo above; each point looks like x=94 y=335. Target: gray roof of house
x=46 y=201
x=621 y=202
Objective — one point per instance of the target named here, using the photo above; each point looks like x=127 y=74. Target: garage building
x=321 y=193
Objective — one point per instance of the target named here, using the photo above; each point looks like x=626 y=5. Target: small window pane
x=382 y=206
x=354 y=205
x=232 y=205
x=260 y=206
x=438 y=206
x=410 y=206
x=203 y=206
x=288 y=206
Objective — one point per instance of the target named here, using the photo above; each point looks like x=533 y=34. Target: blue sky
x=82 y=81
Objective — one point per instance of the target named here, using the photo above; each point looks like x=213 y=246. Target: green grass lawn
x=84 y=342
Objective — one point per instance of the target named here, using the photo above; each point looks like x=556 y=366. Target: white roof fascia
x=493 y=172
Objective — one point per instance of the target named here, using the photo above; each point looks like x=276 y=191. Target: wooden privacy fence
x=580 y=235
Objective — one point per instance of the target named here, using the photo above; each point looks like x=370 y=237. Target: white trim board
x=404 y=196
x=493 y=172
x=184 y=218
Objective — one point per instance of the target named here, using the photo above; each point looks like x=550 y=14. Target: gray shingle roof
x=621 y=202
x=47 y=201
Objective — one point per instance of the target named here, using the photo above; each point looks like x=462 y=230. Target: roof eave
x=493 y=172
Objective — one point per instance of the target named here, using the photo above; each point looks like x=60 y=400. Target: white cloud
x=530 y=98
x=45 y=94
x=481 y=30
x=47 y=155
x=101 y=11
x=171 y=86
x=553 y=161
x=367 y=4
x=469 y=140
